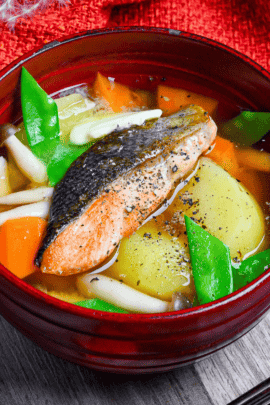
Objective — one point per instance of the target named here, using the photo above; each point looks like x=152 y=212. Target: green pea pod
x=211 y=264
x=40 y=116
x=62 y=158
x=100 y=305
x=250 y=269
x=247 y=128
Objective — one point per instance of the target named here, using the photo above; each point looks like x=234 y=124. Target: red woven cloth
x=241 y=24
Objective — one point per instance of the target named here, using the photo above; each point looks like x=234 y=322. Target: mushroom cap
x=7 y=130
x=179 y=301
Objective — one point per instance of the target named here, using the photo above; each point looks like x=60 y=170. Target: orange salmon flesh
x=122 y=208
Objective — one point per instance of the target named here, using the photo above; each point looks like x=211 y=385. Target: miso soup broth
x=226 y=193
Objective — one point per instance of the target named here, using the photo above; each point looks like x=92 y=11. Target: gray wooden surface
x=31 y=376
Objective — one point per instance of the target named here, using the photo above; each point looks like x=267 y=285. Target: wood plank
x=31 y=376
x=239 y=367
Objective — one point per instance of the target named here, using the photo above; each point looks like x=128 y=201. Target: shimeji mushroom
x=39 y=209
x=27 y=196
x=28 y=163
x=100 y=126
x=4 y=180
x=123 y=296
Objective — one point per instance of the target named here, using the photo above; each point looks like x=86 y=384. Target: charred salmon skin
x=110 y=190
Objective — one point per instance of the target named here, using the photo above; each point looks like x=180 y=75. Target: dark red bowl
x=136 y=343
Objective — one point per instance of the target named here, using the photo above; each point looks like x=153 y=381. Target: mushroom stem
x=28 y=163
x=40 y=209
x=100 y=126
x=27 y=196
x=4 y=179
x=119 y=294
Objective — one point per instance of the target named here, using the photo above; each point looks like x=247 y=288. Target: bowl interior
x=141 y=58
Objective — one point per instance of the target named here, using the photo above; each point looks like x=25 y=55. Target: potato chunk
x=222 y=206
x=154 y=262
x=155 y=259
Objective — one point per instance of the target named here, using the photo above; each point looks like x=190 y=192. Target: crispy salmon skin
x=110 y=190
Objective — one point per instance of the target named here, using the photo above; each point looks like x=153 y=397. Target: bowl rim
x=131 y=317
x=140 y=29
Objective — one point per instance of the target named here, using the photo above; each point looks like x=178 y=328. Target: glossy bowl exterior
x=134 y=343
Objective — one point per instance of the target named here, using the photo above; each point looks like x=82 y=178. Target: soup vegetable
x=203 y=235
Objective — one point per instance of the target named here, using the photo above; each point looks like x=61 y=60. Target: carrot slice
x=254 y=159
x=118 y=96
x=20 y=240
x=225 y=155
x=171 y=100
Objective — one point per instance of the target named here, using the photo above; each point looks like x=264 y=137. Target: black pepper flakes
x=94 y=279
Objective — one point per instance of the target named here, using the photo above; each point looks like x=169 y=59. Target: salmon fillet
x=136 y=170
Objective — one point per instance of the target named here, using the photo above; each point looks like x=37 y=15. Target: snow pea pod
x=250 y=269
x=40 y=116
x=100 y=305
x=63 y=157
x=247 y=128
x=211 y=264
